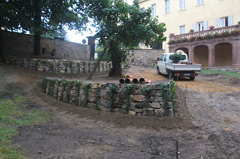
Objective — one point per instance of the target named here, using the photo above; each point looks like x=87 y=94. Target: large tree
x=42 y=16
x=124 y=27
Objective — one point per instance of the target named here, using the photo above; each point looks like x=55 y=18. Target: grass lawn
x=229 y=74
x=14 y=114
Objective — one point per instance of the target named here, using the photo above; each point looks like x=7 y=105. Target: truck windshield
x=183 y=57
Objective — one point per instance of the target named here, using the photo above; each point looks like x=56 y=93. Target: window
x=199 y=2
x=167 y=6
x=153 y=10
x=200 y=26
x=182 y=4
x=182 y=29
x=224 y=21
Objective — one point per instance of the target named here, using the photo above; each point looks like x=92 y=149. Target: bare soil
x=208 y=124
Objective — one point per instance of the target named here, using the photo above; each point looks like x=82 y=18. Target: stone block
x=130 y=112
x=156 y=105
x=137 y=98
x=156 y=99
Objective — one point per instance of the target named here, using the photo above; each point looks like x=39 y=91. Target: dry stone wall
x=21 y=45
x=145 y=57
x=58 y=66
x=146 y=99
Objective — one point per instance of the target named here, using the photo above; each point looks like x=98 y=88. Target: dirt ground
x=208 y=125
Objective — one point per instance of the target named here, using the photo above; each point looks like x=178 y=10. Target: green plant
x=58 y=85
x=22 y=63
x=165 y=97
x=98 y=96
x=111 y=92
x=64 y=82
x=51 y=87
x=66 y=67
x=86 y=88
x=216 y=35
x=58 y=66
x=84 y=67
x=44 y=86
x=71 y=67
x=173 y=96
x=176 y=57
x=78 y=67
x=147 y=93
x=128 y=89
x=77 y=89
x=208 y=36
x=69 y=85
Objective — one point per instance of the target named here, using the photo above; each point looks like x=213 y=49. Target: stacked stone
x=58 y=66
x=111 y=97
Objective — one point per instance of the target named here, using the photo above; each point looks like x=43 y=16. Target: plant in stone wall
x=58 y=85
x=84 y=67
x=165 y=97
x=69 y=85
x=173 y=97
x=86 y=88
x=146 y=92
x=64 y=82
x=98 y=96
x=50 y=87
x=58 y=66
x=128 y=89
x=77 y=89
x=111 y=92
x=78 y=67
x=45 y=84
x=22 y=63
x=66 y=67
x=71 y=67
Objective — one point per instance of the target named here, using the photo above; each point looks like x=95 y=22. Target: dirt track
x=209 y=126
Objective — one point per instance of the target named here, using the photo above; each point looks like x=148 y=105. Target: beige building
x=181 y=16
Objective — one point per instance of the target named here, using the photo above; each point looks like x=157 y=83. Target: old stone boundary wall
x=58 y=66
x=21 y=45
x=145 y=57
x=146 y=99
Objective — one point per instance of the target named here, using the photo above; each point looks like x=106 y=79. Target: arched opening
x=201 y=55
x=223 y=54
x=183 y=49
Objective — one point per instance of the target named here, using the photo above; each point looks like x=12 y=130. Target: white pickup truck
x=183 y=68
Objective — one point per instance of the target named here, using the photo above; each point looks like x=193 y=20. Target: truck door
x=162 y=63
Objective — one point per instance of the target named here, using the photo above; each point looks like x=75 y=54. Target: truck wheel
x=171 y=76
x=158 y=71
x=192 y=78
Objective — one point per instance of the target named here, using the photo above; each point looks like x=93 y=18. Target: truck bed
x=184 y=67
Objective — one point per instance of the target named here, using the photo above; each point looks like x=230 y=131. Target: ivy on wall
x=86 y=88
x=98 y=96
x=77 y=89
x=111 y=92
x=128 y=89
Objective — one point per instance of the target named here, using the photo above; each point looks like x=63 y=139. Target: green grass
x=229 y=74
x=13 y=114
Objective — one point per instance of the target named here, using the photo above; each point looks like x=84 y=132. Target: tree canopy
x=42 y=17
x=126 y=26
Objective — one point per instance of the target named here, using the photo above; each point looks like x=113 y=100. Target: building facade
x=185 y=17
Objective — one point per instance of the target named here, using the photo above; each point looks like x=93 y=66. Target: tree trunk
x=2 y=47
x=98 y=62
x=116 y=58
x=37 y=28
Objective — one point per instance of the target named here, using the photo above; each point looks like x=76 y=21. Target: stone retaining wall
x=145 y=57
x=58 y=66
x=133 y=99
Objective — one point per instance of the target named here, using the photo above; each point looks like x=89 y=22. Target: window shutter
x=205 y=25
x=217 y=23
x=230 y=20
